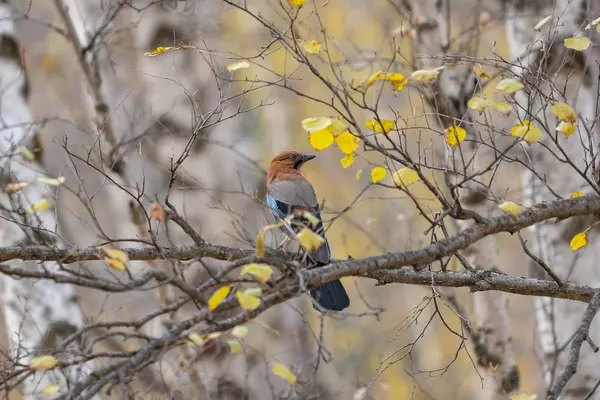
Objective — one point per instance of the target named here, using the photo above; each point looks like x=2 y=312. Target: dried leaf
x=478 y=104
x=426 y=76
x=39 y=206
x=568 y=128
x=15 y=187
x=26 y=153
x=347 y=142
x=283 y=372
x=218 y=297
x=237 y=65
x=509 y=86
x=378 y=174
x=312 y=46
x=157 y=212
x=159 y=50
x=309 y=239
x=455 y=136
x=116 y=255
x=347 y=161
x=316 y=124
x=580 y=240
x=247 y=299
x=576 y=194
x=383 y=126
x=52 y=181
x=397 y=80
x=564 y=112
x=115 y=264
x=261 y=272
x=527 y=132
x=577 y=43
x=478 y=70
x=374 y=77
x=405 y=177
x=511 y=208
x=43 y=362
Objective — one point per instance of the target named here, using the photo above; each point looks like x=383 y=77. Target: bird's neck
x=277 y=175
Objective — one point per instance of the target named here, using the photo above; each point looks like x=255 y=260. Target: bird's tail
x=331 y=296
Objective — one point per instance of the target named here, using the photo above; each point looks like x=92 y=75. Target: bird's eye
x=294 y=156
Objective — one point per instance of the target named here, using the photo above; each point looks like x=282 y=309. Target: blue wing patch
x=272 y=203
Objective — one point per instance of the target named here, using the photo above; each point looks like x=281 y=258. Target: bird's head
x=290 y=160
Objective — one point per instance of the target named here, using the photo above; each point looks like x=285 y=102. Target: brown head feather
x=286 y=165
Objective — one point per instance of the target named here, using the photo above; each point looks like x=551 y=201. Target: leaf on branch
x=296 y=3
x=511 y=208
x=594 y=22
x=564 y=112
x=347 y=142
x=249 y=298
x=240 y=331
x=405 y=177
x=397 y=80
x=117 y=255
x=39 y=206
x=523 y=396
x=316 y=124
x=426 y=76
x=580 y=240
x=43 y=362
x=160 y=50
x=374 y=78
x=576 y=195
x=455 y=136
x=577 y=43
x=15 y=187
x=115 y=264
x=347 y=161
x=542 y=22
x=314 y=221
x=568 y=128
x=312 y=46
x=309 y=239
x=478 y=104
x=358 y=174
x=502 y=107
x=321 y=140
x=478 y=70
x=197 y=339
x=383 y=126
x=378 y=174
x=283 y=372
x=261 y=272
x=52 y=181
x=157 y=212
x=234 y=346
x=237 y=65
x=509 y=86
x=526 y=131
x=51 y=389
x=218 y=297
x=29 y=156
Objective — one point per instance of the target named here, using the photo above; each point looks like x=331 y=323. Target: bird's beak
x=308 y=157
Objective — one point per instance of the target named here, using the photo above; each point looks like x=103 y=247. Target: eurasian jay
x=288 y=192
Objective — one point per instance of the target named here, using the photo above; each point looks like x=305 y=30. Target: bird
x=289 y=192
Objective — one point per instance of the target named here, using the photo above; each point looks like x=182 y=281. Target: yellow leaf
x=26 y=153
x=39 y=206
x=568 y=128
x=477 y=103
x=43 y=362
x=347 y=161
x=377 y=174
x=262 y=272
x=159 y=50
x=397 y=80
x=115 y=264
x=542 y=22
x=197 y=339
x=426 y=75
x=380 y=127
x=247 y=299
x=564 y=112
x=314 y=221
x=309 y=239
x=337 y=127
x=316 y=124
x=218 y=296
x=234 y=346
x=455 y=136
x=239 y=331
x=52 y=181
x=283 y=372
x=117 y=255
x=527 y=132
x=237 y=65
x=523 y=396
x=358 y=174
x=511 y=208
x=51 y=389
x=509 y=86
x=577 y=43
x=576 y=194
x=405 y=177
x=503 y=107
x=260 y=242
x=478 y=70
x=347 y=142
x=296 y=3
x=213 y=335
x=321 y=140
x=312 y=46
x=374 y=77
x=580 y=240
x=255 y=291
x=15 y=187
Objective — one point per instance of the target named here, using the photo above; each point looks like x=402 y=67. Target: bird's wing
x=289 y=196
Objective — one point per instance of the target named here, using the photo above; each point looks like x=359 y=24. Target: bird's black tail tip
x=331 y=296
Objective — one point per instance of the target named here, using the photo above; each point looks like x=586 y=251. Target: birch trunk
x=38 y=314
